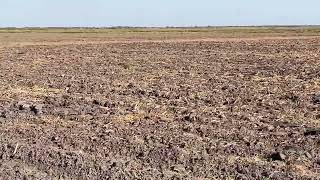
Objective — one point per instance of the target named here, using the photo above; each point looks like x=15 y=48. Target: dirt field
x=160 y=105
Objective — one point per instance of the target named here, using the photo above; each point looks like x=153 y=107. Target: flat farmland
x=160 y=103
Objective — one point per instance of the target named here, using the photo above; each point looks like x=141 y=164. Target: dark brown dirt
x=161 y=110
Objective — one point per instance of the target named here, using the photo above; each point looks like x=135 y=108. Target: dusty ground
x=183 y=108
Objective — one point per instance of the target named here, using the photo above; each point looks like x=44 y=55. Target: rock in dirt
x=3 y=115
x=36 y=109
x=308 y=155
x=22 y=105
x=179 y=169
x=316 y=99
x=312 y=132
x=277 y=156
x=97 y=102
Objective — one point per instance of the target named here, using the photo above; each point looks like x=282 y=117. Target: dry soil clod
x=312 y=132
x=22 y=105
x=36 y=109
x=316 y=99
x=277 y=156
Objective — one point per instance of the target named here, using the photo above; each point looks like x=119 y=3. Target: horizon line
x=152 y=27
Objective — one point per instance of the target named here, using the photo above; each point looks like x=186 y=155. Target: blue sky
x=20 y=13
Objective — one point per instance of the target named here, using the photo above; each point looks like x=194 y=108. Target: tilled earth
x=243 y=109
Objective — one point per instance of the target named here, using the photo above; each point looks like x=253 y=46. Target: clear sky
x=46 y=13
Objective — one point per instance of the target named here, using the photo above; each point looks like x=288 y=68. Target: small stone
x=3 y=115
x=54 y=139
x=187 y=118
x=277 y=156
x=224 y=88
x=130 y=85
x=312 y=132
x=96 y=102
x=179 y=169
x=22 y=105
x=316 y=99
x=36 y=109
x=308 y=155
x=109 y=104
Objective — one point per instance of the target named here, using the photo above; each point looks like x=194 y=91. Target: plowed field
x=233 y=108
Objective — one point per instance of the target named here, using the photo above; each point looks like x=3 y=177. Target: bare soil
x=178 y=109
